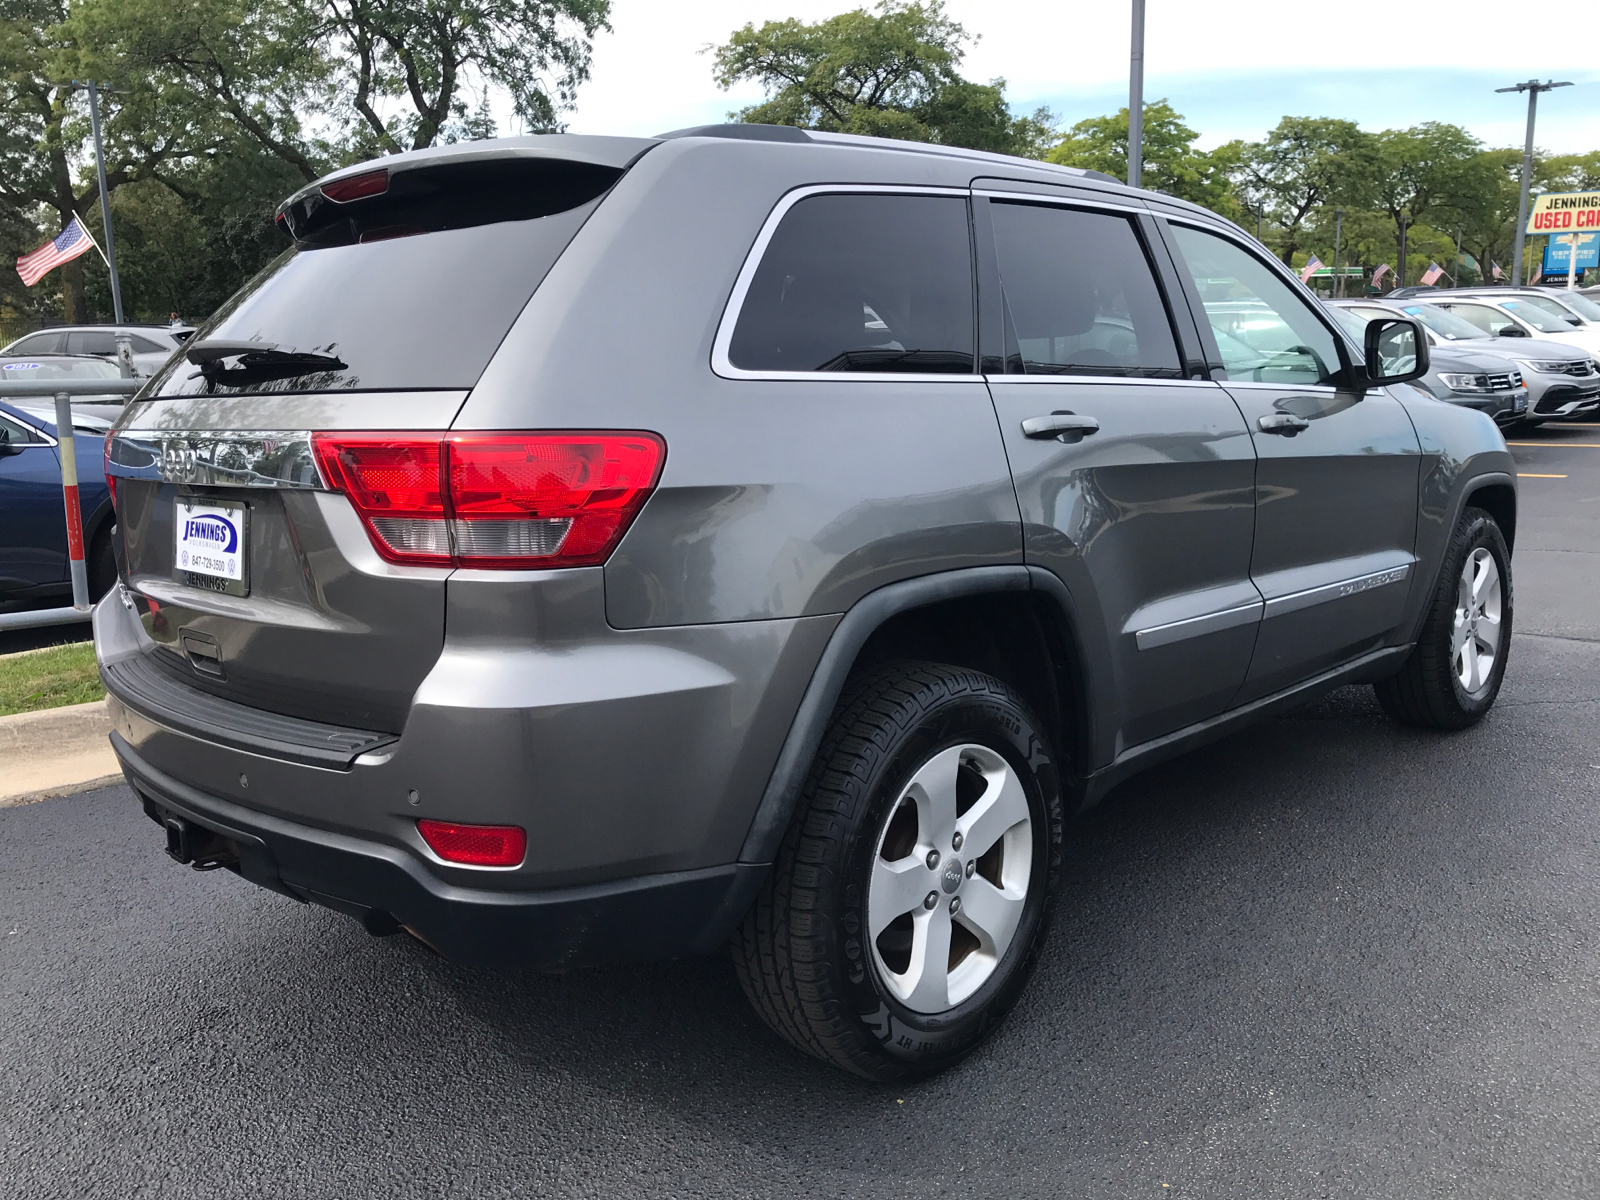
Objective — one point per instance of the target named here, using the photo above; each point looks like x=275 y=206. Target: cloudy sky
x=1232 y=69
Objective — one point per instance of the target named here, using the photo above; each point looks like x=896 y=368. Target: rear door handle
x=1285 y=423
x=1062 y=425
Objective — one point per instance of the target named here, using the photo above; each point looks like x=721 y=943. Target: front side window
x=1265 y=332
x=1080 y=298
x=1535 y=313
x=16 y=433
x=879 y=283
x=95 y=341
x=1483 y=318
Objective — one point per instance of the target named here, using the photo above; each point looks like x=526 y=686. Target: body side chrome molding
x=1178 y=631
x=1340 y=590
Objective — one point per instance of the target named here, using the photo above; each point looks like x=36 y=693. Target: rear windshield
x=399 y=293
x=26 y=371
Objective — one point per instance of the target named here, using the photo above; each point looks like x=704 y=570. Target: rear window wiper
x=256 y=362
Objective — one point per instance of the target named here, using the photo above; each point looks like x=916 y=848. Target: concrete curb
x=56 y=752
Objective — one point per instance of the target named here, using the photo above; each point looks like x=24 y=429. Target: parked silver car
x=758 y=538
x=152 y=345
x=1563 y=381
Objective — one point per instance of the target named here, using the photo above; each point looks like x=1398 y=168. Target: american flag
x=1496 y=271
x=64 y=247
x=1538 y=271
x=1379 y=274
x=1431 y=275
x=1313 y=265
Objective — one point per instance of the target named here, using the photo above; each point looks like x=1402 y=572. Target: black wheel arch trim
x=1468 y=489
x=855 y=627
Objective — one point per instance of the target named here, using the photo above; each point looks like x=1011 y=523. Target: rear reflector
x=357 y=187
x=496 y=500
x=475 y=845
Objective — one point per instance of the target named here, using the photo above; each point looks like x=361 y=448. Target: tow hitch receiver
x=197 y=845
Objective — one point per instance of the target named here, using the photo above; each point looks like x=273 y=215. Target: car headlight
x=1464 y=383
x=1543 y=366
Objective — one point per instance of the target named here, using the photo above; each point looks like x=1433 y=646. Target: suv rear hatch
x=254 y=581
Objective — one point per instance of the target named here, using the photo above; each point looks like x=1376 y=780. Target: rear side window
x=1080 y=298
x=143 y=345
x=41 y=343
x=411 y=287
x=879 y=283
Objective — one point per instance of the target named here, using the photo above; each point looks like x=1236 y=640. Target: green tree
x=889 y=73
x=1304 y=164
x=1170 y=161
x=1431 y=175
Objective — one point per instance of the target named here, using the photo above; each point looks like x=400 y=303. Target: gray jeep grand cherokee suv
x=583 y=548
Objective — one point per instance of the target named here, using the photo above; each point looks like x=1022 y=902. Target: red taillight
x=497 y=500
x=357 y=187
x=475 y=845
x=111 y=480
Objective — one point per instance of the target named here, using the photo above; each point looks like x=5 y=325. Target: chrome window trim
x=46 y=439
x=257 y=459
x=1257 y=386
x=722 y=366
x=1060 y=201
x=1339 y=590
x=1100 y=380
x=1178 y=631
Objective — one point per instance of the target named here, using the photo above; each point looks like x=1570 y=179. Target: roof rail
x=743 y=133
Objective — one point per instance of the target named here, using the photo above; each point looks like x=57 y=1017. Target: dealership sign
x=1561 y=212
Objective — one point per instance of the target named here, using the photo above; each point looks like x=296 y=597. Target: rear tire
x=1454 y=673
x=932 y=782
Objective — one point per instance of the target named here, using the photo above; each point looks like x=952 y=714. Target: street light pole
x=1136 y=99
x=1338 y=234
x=1533 y=87
x=94 y=91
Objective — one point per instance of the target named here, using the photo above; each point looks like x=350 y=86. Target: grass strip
x=48 y=678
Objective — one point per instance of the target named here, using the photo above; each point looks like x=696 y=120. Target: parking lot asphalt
x=1325 y=957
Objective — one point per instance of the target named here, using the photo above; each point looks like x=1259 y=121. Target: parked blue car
x=33 y=523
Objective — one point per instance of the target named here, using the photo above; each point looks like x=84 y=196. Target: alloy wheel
x=1475 y=637
x=950 y=878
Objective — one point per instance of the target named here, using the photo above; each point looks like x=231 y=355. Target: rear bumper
x=385 y=888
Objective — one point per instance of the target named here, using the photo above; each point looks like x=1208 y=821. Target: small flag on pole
x=1379 y=274
x=64 y=247
x=1538 y=271
x=1431 y=275
x=1495 y=271
x=1313 y=265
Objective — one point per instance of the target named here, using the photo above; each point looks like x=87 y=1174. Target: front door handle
x=1285 y=423
x=1061 y=425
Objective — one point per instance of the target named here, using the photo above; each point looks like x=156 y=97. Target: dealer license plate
x=209 y=552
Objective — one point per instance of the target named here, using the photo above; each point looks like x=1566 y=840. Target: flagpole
x=110 y=252
x=92 y=242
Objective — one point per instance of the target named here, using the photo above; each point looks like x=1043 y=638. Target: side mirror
x=1511 y=331
x=1397 y=350
x=1577 y=322
x=6 y=447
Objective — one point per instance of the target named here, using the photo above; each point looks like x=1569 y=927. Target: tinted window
x=98 y=341
x=862 y=283
x=1265 y=332
x=143 y=345
x=40 y=343
x=1080 y=298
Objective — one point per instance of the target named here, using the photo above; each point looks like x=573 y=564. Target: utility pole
x=94 y=91
x=1136 y=99
x=1338 y=234
x=1533 y=87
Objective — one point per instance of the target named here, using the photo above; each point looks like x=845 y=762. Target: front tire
x=1453 y=675
x=933 y=783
